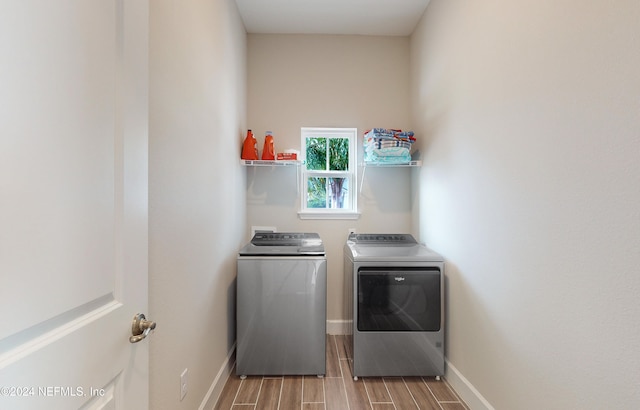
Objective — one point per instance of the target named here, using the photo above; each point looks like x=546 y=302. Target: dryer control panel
x=386 y=238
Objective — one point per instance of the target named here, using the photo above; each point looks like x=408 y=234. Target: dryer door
x=399 y=299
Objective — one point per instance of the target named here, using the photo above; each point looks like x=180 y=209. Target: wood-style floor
x=337 y=390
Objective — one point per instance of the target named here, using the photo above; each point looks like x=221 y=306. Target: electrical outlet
x=255 y=229
x=183 y=384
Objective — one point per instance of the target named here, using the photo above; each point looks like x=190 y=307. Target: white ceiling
x=364 y=17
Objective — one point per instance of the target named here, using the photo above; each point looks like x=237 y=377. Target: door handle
x=140 y=328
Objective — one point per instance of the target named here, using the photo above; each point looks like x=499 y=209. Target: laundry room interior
x=526 y=119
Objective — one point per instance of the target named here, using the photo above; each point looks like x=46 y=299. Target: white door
x=73 y=203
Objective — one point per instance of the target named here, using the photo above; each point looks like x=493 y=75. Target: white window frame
x=351 y=174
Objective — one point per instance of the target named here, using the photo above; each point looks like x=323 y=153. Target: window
x=329 y=173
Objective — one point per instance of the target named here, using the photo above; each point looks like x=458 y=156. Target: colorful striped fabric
x=388 y=145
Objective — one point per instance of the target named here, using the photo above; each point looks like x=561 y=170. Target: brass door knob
x=140 y=328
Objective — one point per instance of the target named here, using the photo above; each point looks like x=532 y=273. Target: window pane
x=316 y=192
x=328 y=184
x=338 y=193
x=339 y=154
x=316 y=152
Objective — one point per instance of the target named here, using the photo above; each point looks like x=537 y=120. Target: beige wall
x=299 y=81
x=527 y=120
x=196 y=193
x=530 y=114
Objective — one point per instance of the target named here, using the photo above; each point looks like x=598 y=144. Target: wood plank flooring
x=337 y=390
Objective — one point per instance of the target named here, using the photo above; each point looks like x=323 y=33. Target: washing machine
x=281 y=305
x=394 y=297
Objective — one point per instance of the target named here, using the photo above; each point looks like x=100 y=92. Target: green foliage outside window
x=317 y=192
x=317 y=153
x=327 y=154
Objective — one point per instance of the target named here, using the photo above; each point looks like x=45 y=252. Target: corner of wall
x=215 y=390
x=465 y=389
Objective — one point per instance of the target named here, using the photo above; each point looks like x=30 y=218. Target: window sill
x=328 y=214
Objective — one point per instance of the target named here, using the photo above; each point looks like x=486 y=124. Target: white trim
x=328 y=215
x=337 y=327
x=334 y=327
x=458 y=382
x=351 y=134
x=465 y=389
x=212 y=396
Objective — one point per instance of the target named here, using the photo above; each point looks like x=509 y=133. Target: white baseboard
x=460 y=384
x=211 y=398
x=334 y=327
x=337 y=327
x=465 y=389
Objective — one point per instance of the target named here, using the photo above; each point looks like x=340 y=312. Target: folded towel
x=379 y=143
x=385 y=145
x=388 y=156
x=390 y=134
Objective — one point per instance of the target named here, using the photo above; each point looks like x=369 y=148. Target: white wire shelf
x=269 y=163
x=388 y=164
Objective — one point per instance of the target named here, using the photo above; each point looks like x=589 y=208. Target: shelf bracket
x=364 y=170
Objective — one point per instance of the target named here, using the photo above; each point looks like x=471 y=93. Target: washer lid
x=389 y=247
x=284 y=244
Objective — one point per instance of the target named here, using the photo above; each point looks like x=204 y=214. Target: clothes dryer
x=394 y=295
